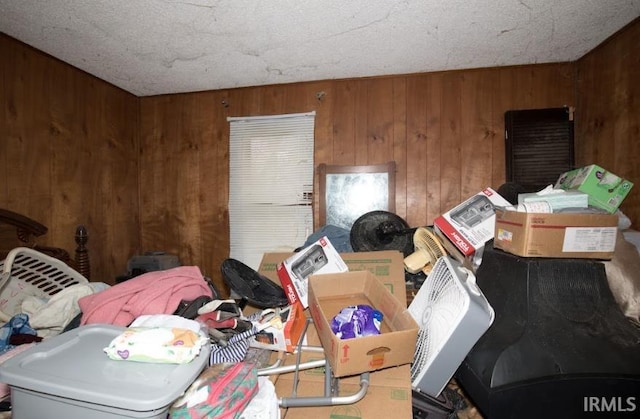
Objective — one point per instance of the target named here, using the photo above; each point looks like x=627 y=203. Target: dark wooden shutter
x=538 y=145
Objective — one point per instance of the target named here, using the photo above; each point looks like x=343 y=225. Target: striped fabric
x=235 y=351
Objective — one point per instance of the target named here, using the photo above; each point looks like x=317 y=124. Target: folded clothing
x=156 y=345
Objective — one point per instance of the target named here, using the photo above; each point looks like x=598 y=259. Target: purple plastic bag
x=356 y=321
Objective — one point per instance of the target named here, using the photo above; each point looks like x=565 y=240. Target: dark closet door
x=538 y=145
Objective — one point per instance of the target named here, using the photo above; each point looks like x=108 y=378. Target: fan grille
x=425 y=240
x=438 y=308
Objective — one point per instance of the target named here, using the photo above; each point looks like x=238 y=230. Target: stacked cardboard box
x=562 y=235
x=571 y=233
x=605 y=189
x=389 y=391
x=388 y=394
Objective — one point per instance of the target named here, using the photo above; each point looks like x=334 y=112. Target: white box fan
x=452 y=314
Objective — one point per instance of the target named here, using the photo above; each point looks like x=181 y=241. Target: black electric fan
x=251 y=286
x=381 y=230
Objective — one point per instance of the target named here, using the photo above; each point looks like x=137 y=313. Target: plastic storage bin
x=70 y=376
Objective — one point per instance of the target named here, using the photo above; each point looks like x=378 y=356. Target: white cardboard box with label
x=318 y=258
x=471 y=224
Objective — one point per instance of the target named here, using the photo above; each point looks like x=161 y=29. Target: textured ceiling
x=151 y=47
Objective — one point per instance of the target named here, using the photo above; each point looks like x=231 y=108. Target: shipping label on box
x=395 y=345
x=606 y=190
x=471 y=224
x=318 y=258
x=562 y=235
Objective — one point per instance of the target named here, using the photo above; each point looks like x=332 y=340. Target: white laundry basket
x=26 y=272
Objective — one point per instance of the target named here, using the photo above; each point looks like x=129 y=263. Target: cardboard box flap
x=351 y=288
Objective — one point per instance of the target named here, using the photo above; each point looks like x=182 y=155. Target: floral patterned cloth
x=222 y=391
x=156 y=344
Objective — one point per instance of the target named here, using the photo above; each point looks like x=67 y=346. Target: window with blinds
x=270 y=184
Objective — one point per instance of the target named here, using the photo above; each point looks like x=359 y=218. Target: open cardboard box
x=396 y=343
x=389 y=392
x=387 y=265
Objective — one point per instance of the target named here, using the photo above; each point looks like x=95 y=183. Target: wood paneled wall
x=68 y=155
x=152 y=173
x=608 y=110
x=444 y=131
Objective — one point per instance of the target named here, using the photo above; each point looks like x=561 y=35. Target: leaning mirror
x=347 y=192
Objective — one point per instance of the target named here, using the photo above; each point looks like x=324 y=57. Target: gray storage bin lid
x=73 y=365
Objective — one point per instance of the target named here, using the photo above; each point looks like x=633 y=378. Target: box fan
x=452 y=314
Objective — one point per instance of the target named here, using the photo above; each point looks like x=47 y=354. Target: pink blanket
x=157 y=292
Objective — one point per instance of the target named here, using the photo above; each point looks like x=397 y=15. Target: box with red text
x=472 y=223
x=318 y=258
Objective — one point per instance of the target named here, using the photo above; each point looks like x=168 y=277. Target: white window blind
x=270 y=184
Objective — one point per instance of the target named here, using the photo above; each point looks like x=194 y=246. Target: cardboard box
x=562 y=235
x=471 y=224
x=395 y=345
x=318 y=258
x=388 y=395
x=452 y=250
x=605 y=190
x=556 y=200
x=284 y=333
x=386 y=265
